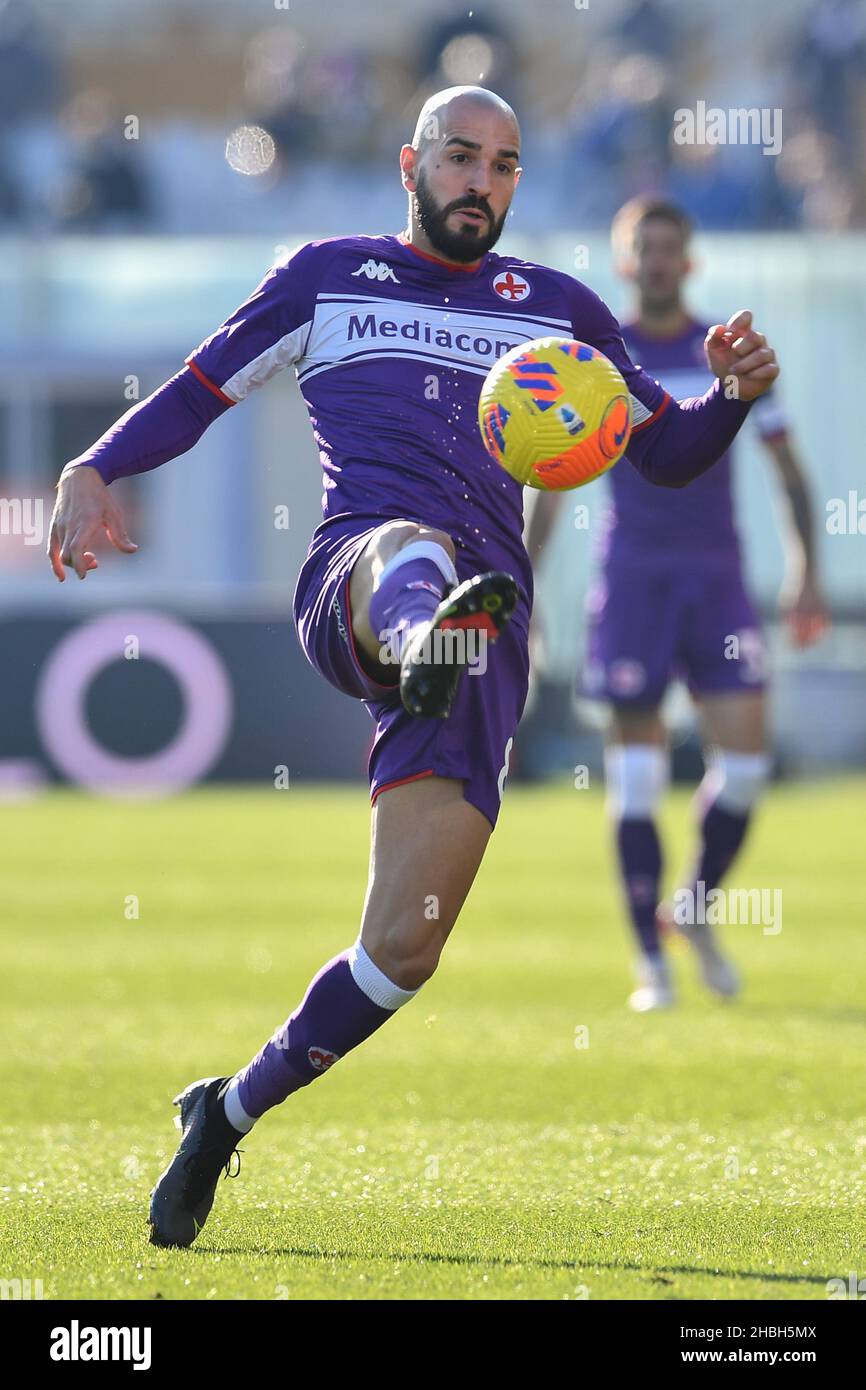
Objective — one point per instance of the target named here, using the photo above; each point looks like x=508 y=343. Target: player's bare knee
x=436 y=537
x=415 y=970
x=407 y=963
x=638 y=725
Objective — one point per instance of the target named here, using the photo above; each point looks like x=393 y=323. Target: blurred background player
x=670 y=600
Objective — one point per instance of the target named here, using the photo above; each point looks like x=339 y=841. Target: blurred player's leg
x=733 y=729
x=636 y=774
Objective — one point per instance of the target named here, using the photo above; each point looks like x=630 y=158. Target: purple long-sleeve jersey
x=390 y=347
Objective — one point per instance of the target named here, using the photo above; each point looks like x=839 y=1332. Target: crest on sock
x=321 y=1058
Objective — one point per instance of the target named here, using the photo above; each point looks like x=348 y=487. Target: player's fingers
x=716 y=336
x=749 y=342
x=740 y=322
x=115 y=529
x=54 y=553
x=75 y=551
x=761 y=357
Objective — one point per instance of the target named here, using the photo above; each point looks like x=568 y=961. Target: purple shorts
x=474 y=743
x=648 y=626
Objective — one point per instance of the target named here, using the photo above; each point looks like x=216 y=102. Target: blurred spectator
x=620 y=146
x=29 y=65
x=315 y=106
x=106 y=187
x=470 y=46
x=833 y=57
x=12 y=204
x=647 y=27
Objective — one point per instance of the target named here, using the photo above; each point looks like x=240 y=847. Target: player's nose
x=479 y=186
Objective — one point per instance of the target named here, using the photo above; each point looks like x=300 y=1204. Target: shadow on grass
x=504 y=1262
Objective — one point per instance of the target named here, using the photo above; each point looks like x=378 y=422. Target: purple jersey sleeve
x=159 y=428
x=267 y=333
x=672 y=442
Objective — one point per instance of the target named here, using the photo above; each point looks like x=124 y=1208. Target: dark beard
x=464 y=246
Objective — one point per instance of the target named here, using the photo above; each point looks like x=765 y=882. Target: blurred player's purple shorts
x=474 y=743
x=650 y=625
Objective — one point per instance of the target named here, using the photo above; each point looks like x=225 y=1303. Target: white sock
x=235 y=1113
x=635 y=776
x=374 y=982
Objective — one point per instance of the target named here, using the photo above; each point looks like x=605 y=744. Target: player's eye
x=458 y=156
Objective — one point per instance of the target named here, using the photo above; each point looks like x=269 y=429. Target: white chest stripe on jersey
x=349 y=328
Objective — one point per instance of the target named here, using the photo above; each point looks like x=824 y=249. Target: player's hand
x=805 y=612
x=735 y=350
x=83 y=511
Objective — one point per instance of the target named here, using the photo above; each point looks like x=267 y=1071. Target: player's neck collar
x=437 y=260
x=689 y=328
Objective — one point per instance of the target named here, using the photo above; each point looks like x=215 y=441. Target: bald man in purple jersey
x=668 y=600
x=390 y=338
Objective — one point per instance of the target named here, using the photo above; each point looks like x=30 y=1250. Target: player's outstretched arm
x=674 y=442
x=83 y=511
x=801 y=599
x=682 y=439
x=266 y=334
x=159 y=428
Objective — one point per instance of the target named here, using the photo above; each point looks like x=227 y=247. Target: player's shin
x=635 y=776
x=409 y=590
x=346 y=1002
x=724 y=804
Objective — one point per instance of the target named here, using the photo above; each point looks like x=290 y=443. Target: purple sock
x=347 y=1001
x=722 y=834
x=640 y=862
x=410 y=589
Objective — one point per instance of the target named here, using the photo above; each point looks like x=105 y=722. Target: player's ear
x=409 y=168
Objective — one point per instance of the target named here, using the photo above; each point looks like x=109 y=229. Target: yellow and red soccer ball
x=555 y=413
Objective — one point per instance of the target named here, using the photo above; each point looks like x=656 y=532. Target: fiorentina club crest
x=511 y=286
x=321 y=1058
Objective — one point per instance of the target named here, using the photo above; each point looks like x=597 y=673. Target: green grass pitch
x=470 y=1149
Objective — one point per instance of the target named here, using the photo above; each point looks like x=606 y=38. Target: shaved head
x=436 y=113
x=460 y=172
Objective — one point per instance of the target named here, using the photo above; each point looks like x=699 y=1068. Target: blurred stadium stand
x=154 y=160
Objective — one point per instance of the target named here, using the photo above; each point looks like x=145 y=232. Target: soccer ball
x=555 y=413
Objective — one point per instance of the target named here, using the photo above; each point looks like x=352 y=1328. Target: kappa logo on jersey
x=511 y=286
x=321 y=1058
x=376 y=270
